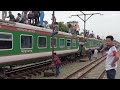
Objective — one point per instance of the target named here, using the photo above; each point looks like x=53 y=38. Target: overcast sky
x=103 y=25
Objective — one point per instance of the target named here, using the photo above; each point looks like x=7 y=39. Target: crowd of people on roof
x=73 y=29
x=91 y=35
x=35 y=18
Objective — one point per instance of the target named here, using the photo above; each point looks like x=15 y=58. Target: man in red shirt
x=57 y=64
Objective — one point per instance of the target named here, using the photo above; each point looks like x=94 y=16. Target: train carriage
x=24 y=44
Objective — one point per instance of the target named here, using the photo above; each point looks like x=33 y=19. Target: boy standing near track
x=112 y=58
x=57 y=64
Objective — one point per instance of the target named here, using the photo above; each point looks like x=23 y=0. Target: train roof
x=93 y=39
x=27 y=26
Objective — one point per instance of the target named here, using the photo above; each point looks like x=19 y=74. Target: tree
x=81 y=33
x=62 y=27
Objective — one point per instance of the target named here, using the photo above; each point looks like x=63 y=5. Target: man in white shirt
x=112 y=58
x=95 y=53
x=4 y=15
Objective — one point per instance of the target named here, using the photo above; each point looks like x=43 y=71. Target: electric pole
x=53 y=27
x=85 y=19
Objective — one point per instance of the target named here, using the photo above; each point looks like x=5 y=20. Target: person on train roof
x=56 y=29
x=24 y=16
x=42 y=18
x=4 y=15
x=20 y=19
x=30 y=17
x=36 y=15
x=11 y=16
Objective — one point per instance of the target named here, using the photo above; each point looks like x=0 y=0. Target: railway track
x=27 y=71
x=81 y=73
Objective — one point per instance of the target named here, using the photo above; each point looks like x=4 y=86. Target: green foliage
x=81 y=33
x=62 y=27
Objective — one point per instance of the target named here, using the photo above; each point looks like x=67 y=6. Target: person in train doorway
x=90 y=54
x=57 y=64
x=4 y=15
x=95 y=53
x=41 y=18
x=112 y=58
x=56 y=29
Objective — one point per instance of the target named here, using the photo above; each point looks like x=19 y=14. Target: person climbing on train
x=57 y=63
x=41 y=18
x=112 y=58
x=4 y=15
x=11 y=16
x=56 y=29
x=53 y=18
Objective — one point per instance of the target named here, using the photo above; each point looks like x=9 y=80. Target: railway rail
x=81 y=73
x=27 y=71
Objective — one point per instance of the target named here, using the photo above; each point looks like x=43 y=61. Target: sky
x=102 y=25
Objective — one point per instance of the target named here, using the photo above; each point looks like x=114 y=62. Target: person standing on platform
x=112 y=58
x=4 y=15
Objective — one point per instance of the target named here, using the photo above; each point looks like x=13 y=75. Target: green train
x=89 y=43
x=22 y=44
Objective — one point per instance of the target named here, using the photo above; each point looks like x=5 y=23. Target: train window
x=68 y=43
x=55 y=42
x=26 y=41
x=42 y=42
x=5 y=41
x=74 y=43
x=62 y=42
x=5 y=36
